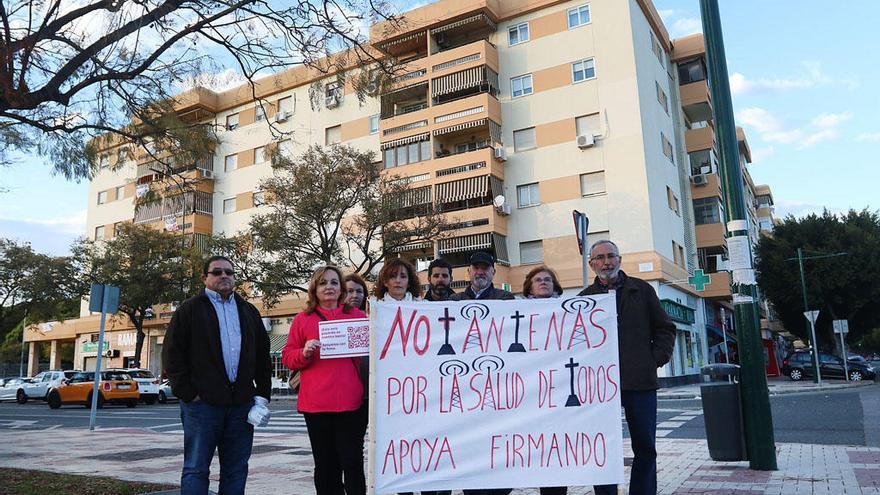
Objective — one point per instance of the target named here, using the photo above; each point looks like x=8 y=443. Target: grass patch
x=31 y=482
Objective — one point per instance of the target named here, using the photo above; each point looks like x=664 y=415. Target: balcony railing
x=173 y=206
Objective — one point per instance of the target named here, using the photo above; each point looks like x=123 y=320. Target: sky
x=803 y=78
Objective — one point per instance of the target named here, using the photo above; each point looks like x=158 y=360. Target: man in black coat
x=481 y=272
x=645 y=335
x=439 y=280
x=216 y=355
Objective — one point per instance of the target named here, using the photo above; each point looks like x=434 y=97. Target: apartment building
x=507 y=116
x=708 y=201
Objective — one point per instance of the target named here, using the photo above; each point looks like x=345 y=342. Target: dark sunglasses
x=217 y=272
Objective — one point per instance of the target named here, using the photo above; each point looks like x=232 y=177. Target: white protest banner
x=344 y=338
x=495 y=394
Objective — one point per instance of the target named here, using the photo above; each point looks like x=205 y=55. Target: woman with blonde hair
x=330 y=393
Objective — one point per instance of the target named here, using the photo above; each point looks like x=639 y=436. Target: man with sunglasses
x=216 y=355
x=645 y=336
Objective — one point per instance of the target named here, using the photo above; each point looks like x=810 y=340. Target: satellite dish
x=499 y=201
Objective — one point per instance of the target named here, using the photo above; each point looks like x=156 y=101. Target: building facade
x=507 y=115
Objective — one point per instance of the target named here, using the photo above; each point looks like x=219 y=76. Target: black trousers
x=338 y=450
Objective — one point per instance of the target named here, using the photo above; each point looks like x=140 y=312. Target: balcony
x=699 y=139
x=719 y=287
x=468 y=164
x=710 y=235
x=463 y=83
x=461 y=32
x=197 y=202
x=464 y=57
x=696 y=102
x=710 y=188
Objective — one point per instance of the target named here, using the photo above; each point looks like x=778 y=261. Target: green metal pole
x=807 y=308
x=757 y=417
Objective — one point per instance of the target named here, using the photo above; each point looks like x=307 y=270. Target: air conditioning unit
x=585 y=141
x=331 y=101
x=281 y=116
x=700 y=180
x=111 y=353
x=205 y=173
x=501 y=154
x=504 y=209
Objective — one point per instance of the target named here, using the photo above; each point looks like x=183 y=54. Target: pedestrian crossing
x=279 y=424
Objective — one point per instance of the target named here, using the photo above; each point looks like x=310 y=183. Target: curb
x=772 y=390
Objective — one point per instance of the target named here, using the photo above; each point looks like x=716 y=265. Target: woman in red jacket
x=330 y=391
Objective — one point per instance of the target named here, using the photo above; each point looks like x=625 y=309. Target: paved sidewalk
x=776 y=386
x=283 y=464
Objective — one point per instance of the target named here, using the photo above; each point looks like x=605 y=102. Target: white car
x=165 y=393
x=41 y=385
x=13 y=388
x=147 y=382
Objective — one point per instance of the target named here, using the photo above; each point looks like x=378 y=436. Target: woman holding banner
x=330 y=392
x=540 y=283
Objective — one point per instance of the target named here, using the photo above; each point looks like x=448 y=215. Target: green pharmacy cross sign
x=700 y=280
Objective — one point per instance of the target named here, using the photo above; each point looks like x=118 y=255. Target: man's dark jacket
x=193 y=358
x=491 y=293
x=645 y=333
x=447 y=293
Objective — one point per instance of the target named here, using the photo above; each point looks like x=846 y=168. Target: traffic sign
x=812 y=316
x=841 y=326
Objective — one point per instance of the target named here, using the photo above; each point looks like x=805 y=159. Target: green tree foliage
x=73 y=71
x=149 y=266
x=41 y=285
x=328 y=205
x=841 y=287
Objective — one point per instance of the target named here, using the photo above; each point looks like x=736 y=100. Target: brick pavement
x=282 y=464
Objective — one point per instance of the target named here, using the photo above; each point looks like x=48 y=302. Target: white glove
x=259 y=413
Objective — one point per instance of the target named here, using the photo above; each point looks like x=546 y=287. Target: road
x=840 y=417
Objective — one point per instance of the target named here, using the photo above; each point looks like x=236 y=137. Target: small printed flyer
x=344 y=338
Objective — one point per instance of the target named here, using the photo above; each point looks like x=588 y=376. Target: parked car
x=148 y=384
x=41 y=385
x=13 y=387
x=116 y=388
x=165 y=393
x=799 y=365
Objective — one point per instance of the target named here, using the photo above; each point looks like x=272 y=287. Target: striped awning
x=458 y=81
x=412 y=246
x=398 y=41
x=277 y=343
x=500 y=245
x=460 y=190
x=467 y=20
x=495 y=132
x=459 y=127
x=417 y=196
x=471 y=242
x=407 y=140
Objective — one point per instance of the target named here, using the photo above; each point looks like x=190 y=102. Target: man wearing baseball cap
x=481 y=272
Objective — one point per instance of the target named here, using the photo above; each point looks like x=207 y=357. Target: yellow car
x=116 y=387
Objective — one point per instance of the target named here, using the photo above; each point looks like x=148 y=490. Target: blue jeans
x=640 y=408
x=207 y=428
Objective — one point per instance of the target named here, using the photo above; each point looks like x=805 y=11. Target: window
x=579 y=16
x=592 y=183
x=231 y=163
x=102 y=197
x=706 y=211
x=528 y=195
x=661 y=97
x=678 y=254
x=259 y=198
x=99 y=232
x=260 y=154
x=471 y=146
x=285 y=147
x=120 y=192
x=671 y=199
x=333 y=135
x=232 y=122
x=229 y=205
x=407 y=153
x=374 y=124
x=524 y=139
x=103 y=162
x=531 y=252
x=657 y=48
x=701 y=162
x=691 y=71
x=285 y=105
x=587 y=125
x=583 y=70
x=117 y=227
x=518 y=34
x=521 y=86
x=667 y=147
x=260 y=113
x=333 y=91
